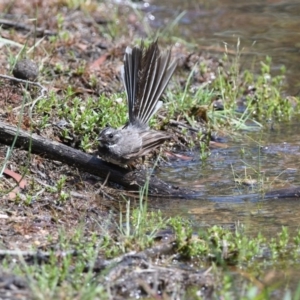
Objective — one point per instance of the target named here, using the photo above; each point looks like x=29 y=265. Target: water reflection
x=271 y=159
x=264 y=27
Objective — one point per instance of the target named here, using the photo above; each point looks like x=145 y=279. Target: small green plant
x=80 y=69
x=279 y=245
x=60 y=21
x=140 y=226
x=61 y=183
x=204 y=151
x=28 y=199
x=52 y=279
x=63 y=197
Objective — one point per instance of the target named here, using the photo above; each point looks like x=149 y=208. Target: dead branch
x=293 y=192
x=20 y=26
x=53 y=150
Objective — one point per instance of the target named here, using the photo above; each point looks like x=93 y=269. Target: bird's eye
x=110 y=135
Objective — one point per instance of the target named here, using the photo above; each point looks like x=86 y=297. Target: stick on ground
x=53 y=150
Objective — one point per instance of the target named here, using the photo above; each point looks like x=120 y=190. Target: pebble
x=26 y=69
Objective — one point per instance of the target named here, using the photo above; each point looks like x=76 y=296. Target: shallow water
x=272 y=160
x=269 y=27
x=270 y=156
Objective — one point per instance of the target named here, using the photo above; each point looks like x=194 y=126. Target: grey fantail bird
x=146 y=73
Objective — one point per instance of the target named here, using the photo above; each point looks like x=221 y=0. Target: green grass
x=265 y=103
x=82 y=119
x=66 y=274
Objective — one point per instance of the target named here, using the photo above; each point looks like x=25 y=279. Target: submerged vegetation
x=70 y=236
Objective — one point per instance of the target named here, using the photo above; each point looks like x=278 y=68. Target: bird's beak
x=100 y=139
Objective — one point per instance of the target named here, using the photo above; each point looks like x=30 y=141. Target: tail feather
x=162 y=76
x=129 y=73
x=145 y=74
x=147 y=80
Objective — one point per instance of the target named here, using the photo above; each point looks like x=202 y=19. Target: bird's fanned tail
x=146 y=74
